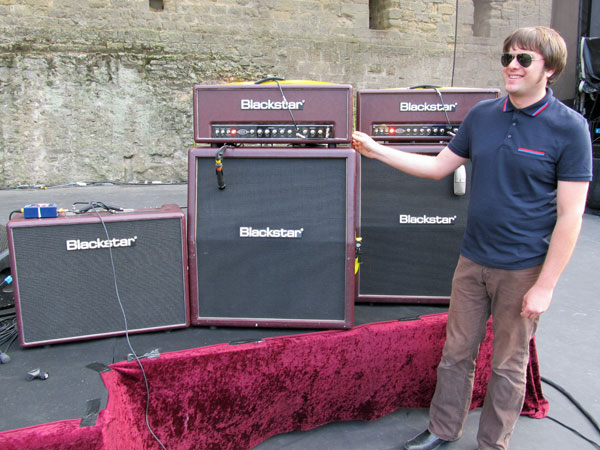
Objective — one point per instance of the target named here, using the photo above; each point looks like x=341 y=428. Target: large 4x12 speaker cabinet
x=275 y=248
x=64 y=282
x=411 y=231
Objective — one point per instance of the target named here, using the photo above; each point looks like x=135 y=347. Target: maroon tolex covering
x=236 y=396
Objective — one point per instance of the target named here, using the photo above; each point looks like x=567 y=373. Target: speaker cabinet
x=65 y=288
x=411 y=231
x=275 y=248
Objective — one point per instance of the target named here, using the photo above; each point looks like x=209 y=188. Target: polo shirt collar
x=532 y=110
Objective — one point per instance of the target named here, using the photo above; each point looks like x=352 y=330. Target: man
x=531 y=166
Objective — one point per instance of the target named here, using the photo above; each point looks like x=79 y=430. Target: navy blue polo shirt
x=517 y=157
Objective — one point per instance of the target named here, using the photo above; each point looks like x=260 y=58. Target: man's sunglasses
x=525 y=59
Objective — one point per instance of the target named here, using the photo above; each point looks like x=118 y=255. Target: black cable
x=449 y=126
x=8 y=331
x=94 y=205
x=127 y=329
x=264 y=80
x=94 y=183
x=438 y=92
x=16 y=211
x=298 y=134
x=579 y=406
x=219 y=167
x=455 y=41
x=575 y=402
x=277 y=80
x=574 y=431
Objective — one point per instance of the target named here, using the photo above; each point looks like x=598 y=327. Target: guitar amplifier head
x=303 y=113
x=76 y=277
x=417 y=115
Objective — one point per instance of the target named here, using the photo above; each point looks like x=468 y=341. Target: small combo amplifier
x=411 y=228
x=274 y=112
x=272 y=244
x=98 y=274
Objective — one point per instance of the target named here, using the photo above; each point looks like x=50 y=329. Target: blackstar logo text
x=427 y=107
x=271 y=105
x=77 y=244
x=280 y=233
x=407 y=219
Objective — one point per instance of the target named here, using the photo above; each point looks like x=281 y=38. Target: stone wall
x=101 y=90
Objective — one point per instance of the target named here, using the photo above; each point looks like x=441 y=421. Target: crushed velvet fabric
x=61 y=435
x=236 y=396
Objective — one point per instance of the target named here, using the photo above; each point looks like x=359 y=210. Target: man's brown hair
x=543 y=40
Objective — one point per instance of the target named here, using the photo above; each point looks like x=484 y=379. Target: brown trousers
x=477 y=292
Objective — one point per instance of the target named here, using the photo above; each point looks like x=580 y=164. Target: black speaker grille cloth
x=66 y=294
x=272 y=277
x=408 y=259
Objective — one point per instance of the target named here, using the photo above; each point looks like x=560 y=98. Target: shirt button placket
x=513 y=125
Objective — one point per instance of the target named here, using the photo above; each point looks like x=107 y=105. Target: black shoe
x=424 y=441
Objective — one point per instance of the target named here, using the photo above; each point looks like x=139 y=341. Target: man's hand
x=570 y=201
x=536 y=301
x=363 y=144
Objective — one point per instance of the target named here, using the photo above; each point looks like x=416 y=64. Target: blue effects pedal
x=40 y=210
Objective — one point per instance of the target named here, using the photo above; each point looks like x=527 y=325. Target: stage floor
x=567 y=343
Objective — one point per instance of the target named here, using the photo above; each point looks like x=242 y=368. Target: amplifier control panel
x=272 y=131
x=435 y=130
x=416 y=115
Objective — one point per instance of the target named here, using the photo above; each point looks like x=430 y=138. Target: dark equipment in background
x=6 y=289
x=587 y=89
x=589 y=107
